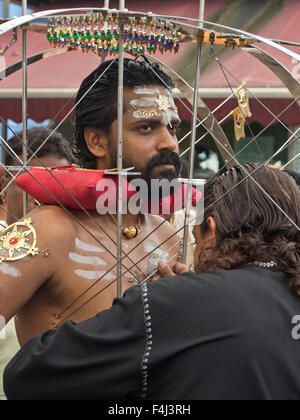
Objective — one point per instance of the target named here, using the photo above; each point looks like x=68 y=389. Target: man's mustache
x=165 y=158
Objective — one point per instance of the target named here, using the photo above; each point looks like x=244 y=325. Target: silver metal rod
x=106 y=4
x=201 y=13
x=192 y=153
x=120 y=156
x=24 y=98
x=290 y=161
x=4 y=136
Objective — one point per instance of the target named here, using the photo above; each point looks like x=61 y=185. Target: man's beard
x=163 y=158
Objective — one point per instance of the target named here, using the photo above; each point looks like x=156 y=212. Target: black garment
x=220 y=335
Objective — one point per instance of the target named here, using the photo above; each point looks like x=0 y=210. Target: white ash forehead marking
x=143 y=102
x=94 y=275
x=151 y=101
x=82 y=259
x=166 y=117
x=142 y=90
x=169 y=115
x=172 y=101
x=9 y=271
x=87 y=247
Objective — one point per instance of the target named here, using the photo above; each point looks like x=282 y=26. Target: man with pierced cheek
x=68 y=271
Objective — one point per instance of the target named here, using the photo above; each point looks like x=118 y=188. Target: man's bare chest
x=86 y=278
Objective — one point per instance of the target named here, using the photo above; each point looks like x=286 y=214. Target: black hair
x=55 y=145
x=97 y=99
x=250 y=225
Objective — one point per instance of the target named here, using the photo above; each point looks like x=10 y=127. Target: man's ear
x=96 y=141
x=212 y=227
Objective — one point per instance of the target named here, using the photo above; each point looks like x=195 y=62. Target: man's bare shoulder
x=50 y=213
x=51 y=222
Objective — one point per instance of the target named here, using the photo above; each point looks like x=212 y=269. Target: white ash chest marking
x=94 y=275
x=154 y=256
x=92 y=260
x=9 y=270
x=83 y=259
x=87 y=247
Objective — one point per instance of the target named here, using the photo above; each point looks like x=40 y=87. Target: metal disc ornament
x=18 y=241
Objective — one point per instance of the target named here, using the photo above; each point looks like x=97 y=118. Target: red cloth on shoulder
x=76 y=188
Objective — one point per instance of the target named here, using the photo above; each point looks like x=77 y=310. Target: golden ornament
x=17 y=243
x=130 y=232
x=163 y=103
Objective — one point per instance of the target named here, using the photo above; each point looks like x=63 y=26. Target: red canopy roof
x=283 y=26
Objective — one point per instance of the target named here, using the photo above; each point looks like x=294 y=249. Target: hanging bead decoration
x=99 y=33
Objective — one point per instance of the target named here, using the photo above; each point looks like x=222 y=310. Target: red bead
x=13 y=241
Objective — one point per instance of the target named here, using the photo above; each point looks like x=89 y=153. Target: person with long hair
x=229 y=331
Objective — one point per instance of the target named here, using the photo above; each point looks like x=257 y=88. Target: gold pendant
x=239 y=124
x=241 y=112
x=131 y=232
x=17 y=243
x=243 y=100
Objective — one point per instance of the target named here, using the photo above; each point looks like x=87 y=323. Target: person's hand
x=170 y=269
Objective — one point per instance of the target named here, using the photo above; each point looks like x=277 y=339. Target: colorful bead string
x=138 y=37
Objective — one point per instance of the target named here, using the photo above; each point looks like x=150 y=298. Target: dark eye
x=147 y=128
